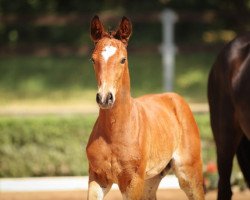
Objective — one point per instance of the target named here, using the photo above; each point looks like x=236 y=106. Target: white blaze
x=107 y=52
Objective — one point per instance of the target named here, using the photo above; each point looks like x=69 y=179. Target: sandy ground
x=170 y=194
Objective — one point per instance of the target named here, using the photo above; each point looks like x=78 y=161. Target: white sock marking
x=107 y=52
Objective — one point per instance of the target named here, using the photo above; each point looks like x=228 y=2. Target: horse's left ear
x=124 y=31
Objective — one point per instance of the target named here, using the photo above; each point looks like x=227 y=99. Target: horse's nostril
x=105 y=101
x=110 y=97
x=98 y=98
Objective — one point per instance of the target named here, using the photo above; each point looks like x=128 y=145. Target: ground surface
x=113 y=195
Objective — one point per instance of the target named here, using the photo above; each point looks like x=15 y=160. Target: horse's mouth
x=106 y=106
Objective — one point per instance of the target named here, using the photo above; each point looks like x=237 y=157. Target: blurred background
x=47 y=83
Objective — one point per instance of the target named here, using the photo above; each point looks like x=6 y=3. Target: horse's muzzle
x=105 y=101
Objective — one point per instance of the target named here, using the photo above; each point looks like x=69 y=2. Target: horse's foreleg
x=96 y=192
x=150 y=187
x=134 y=190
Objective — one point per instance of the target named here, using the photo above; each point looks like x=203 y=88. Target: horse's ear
x=124 y=31
x=96 y=29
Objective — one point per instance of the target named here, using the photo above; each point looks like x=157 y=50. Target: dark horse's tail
x=243 y=155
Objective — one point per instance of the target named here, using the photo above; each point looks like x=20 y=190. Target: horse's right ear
x=96 y=29
x=124 y=31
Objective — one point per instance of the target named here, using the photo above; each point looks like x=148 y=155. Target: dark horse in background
x=229 y=102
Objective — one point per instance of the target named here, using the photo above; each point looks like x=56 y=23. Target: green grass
x=55 y=78
x=192 y=74
x=208 y=145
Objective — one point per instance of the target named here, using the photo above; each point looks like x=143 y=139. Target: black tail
x=243 y=156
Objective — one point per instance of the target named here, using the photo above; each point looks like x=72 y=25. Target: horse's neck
x=114 y=120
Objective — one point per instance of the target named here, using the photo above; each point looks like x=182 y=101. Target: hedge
x=55 y=145
x=44 y=146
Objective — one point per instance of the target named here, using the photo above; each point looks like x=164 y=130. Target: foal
x=135 y=142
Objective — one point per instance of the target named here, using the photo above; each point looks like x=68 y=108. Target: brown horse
x=135 y=142
x=229 y=101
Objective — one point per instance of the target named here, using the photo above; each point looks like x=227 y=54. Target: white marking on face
x=108 y=51
x=104 y=89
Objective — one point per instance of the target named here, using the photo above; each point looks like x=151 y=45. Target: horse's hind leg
x=222 y=118
x=225 y=153
x=243 y=153
x=190 y=179
x=227 y=138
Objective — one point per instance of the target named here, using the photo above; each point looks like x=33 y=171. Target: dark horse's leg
x=227 y=140
x=225 y=134
x=243 y=154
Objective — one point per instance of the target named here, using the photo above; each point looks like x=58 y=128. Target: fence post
x=168 y=49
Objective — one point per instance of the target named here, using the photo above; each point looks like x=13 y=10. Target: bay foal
x=135 y=142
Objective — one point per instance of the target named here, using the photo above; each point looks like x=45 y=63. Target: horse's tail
x=243 y=153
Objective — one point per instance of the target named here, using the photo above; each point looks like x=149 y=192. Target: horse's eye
x=123 y=60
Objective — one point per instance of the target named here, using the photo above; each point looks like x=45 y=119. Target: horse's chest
x=110 y=161
x=109 y=167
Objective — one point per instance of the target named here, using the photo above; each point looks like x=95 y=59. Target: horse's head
x=109 y=59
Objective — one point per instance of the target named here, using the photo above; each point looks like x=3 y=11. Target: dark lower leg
x=225 y=163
